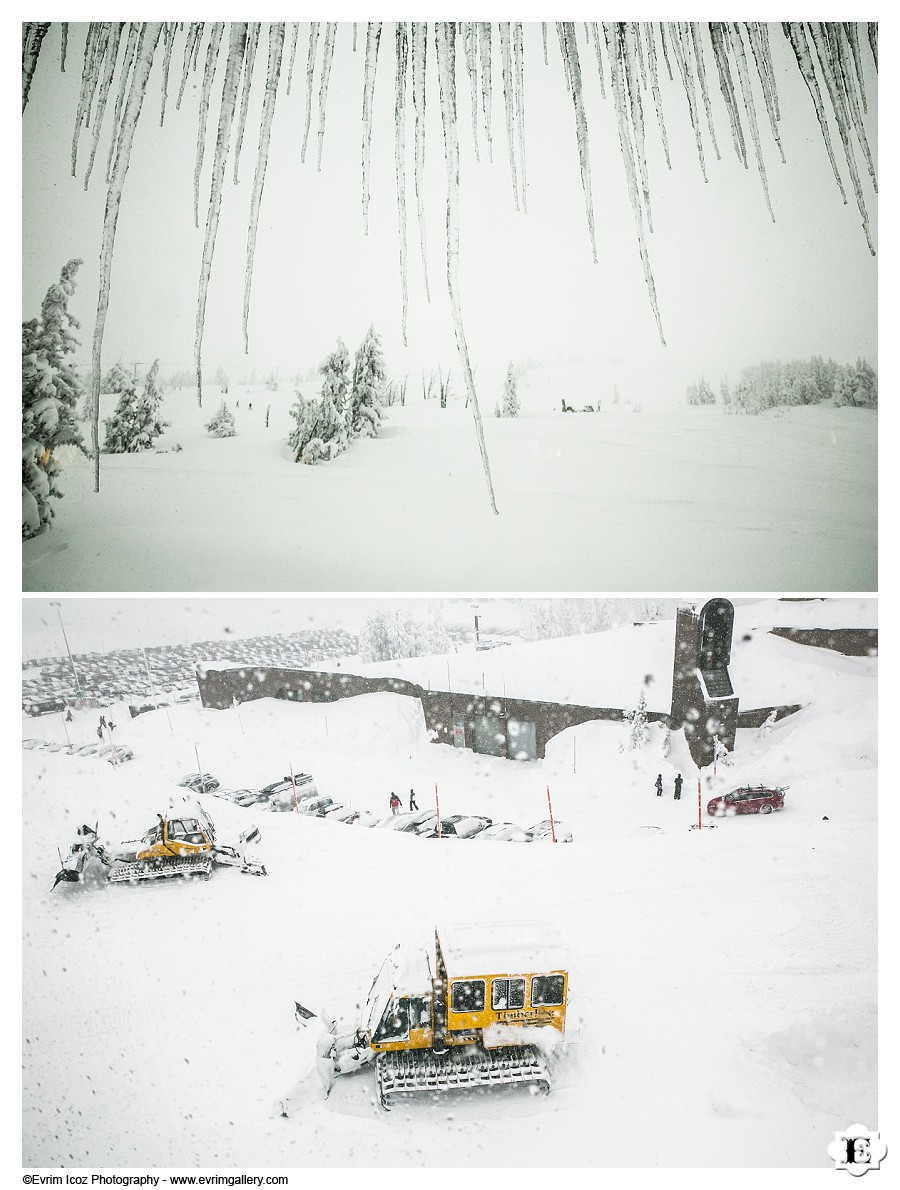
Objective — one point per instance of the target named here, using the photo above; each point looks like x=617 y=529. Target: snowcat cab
x=182 y=843
x=489 y=1012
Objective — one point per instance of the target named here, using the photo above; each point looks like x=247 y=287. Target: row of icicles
x=628 y=57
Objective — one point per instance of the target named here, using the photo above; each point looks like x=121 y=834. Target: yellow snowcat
x=491 y=1011
x=182 y=843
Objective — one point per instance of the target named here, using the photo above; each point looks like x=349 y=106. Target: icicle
x=680 y=50
x=726 y=86
x=615 y=52
x=843 y=57
x=544 y=36
x=63 y=46
x=310 y=71
x=88 y=82
x=872 y=33
x=662 y=42
x=628 y=33
x=112 y=52
x=98 y=53
x=840 y=115
x=373 y=37
x=764 y=70
x=131 y=45
x=701 y=78
x=469 y=30
x=747 y=93
x=191 y=45
x=249 y=60
x=599 y=52
x=169 y=42
x=446 y=59
x=519 y=60
x=487 y=99
x=796 y=35
x=566 y=33
x=418 y=40
x=237 y=44
x=144 y=60
x=327 y=54
x=354 y=37
x=508 y=106
x=400 y=159
x=212 y=53
x=852 y=34
x=295 y=29
x=654 y=87
x=33 y=34
x=273 y=71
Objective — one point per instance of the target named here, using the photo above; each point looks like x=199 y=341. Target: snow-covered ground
x=722 y=982
x=620 y=500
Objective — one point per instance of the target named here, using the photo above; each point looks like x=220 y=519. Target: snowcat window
x=467 y=995
x=394 y=1023
x=419 y=1012
x=547 y=989
x=507 y=993
x=153 y=835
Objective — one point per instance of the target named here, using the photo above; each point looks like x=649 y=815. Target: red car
x=757 y=799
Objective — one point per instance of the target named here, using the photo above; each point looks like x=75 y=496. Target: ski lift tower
x=703 y=698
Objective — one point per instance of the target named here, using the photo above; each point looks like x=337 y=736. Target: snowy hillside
x=665 y=500
x=722 y=982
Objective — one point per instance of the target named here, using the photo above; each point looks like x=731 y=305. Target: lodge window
x=547 y=989
x=467 y=995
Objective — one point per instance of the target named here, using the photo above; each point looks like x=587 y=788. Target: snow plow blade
x=232 y=857
x=400 y=1071
x=135 y=870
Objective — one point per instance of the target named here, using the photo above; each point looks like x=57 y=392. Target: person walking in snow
x=395 y=804
x=678 y=784
x=412 y=800
x=659 y=785
x=68 y=714
x=111 y=727
x=102 y=721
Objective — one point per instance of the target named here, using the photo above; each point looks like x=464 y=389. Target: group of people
x=395 y=802
x=678 y=784
x=110 y=727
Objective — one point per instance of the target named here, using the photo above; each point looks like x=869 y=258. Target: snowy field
x=722 y=981
x=621 y=500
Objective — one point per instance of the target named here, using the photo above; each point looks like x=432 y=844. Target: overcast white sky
x=733 y=287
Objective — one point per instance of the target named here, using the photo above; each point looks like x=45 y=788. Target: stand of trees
x=796 y=382
x=388 y=635
x=349 y=404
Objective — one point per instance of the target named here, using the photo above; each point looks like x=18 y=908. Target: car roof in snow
x=514 y=947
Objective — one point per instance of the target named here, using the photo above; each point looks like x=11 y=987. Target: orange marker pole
x=437 y=806
x=550 y=805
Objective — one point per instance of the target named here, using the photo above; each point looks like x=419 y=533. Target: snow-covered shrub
x=769 y=724
x=135 y=423
x=50 y=391
x=638 y=726
x=321 y=430
x=222 y=423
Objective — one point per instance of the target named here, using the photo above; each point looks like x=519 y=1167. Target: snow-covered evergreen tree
x=50 y=392
x=321 y=430
x=222 y=423
x=770 y=722
x=115 y=379
x=387 y=635
x=135 y=423
x=367 y=387
x=510 y=406
x=639 y=728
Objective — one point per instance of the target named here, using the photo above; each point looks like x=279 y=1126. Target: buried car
x=199 y=782
x=506 y=832
x=555 y=831
x=747 y=799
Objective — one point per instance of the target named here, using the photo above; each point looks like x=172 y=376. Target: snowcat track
x=399 y=1071
x=129 y=872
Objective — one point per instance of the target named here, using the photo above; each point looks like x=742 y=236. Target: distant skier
x=68 y=714
x=659 y=785
x=678 y=784
x=395 y=804
x=412 y=800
